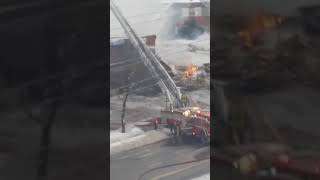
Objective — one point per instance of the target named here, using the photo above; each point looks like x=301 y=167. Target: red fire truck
x=185 y=123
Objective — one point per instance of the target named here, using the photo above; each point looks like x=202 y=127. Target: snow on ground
x=116 y=135
x=133 y=138
x=176 y=52
x=134 y=101
x=138 y=108
x=204 y=177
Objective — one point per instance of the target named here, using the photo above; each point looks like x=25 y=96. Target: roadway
x=132 y=164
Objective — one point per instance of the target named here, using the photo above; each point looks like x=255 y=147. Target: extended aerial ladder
x=150 y=60
x=206 y=3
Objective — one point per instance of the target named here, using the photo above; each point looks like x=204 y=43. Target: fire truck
x=188 y=122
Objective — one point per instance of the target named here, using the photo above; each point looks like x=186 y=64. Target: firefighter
x=185 y=100
x=238 y=122
x=175 y=132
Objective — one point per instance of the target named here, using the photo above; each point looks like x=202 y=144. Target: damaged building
x=190 y=18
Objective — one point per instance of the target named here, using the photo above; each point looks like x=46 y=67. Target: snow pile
x=133 y=138
x=204 y=177
x=132 y=131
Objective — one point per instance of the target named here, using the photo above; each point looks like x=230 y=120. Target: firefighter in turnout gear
x=185 y=100
x=238 y=122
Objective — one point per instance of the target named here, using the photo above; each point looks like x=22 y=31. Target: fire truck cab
x=189 y=122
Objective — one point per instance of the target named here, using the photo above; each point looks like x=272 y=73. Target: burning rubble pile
x=266 y=49
x=191 y=77
x=191 y=70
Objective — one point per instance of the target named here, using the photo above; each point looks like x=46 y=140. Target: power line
x=127 y=61
x=163 y=55
x=142 y=88
x=134 y=59
x=134 y=83
x=138 y=57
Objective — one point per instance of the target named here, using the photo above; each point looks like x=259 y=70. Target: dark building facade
x=125 y=59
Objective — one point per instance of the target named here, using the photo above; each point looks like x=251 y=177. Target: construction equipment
x=186 y=122
x=150 y=60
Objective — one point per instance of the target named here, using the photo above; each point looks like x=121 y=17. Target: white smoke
x=145 y=16
x=170 y=16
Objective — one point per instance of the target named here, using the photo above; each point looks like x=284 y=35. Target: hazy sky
x=142 y=10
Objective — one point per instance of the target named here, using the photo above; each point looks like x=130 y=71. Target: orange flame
x=257 y=25
x=190 y=69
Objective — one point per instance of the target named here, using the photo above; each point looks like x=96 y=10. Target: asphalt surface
x=133 y=164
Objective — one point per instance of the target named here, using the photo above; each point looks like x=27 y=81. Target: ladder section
x=150 y=60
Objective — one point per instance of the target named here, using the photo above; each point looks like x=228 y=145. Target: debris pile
x=192 y=77
x=190 y=70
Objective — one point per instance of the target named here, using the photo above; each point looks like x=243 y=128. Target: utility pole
x=123 y=123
